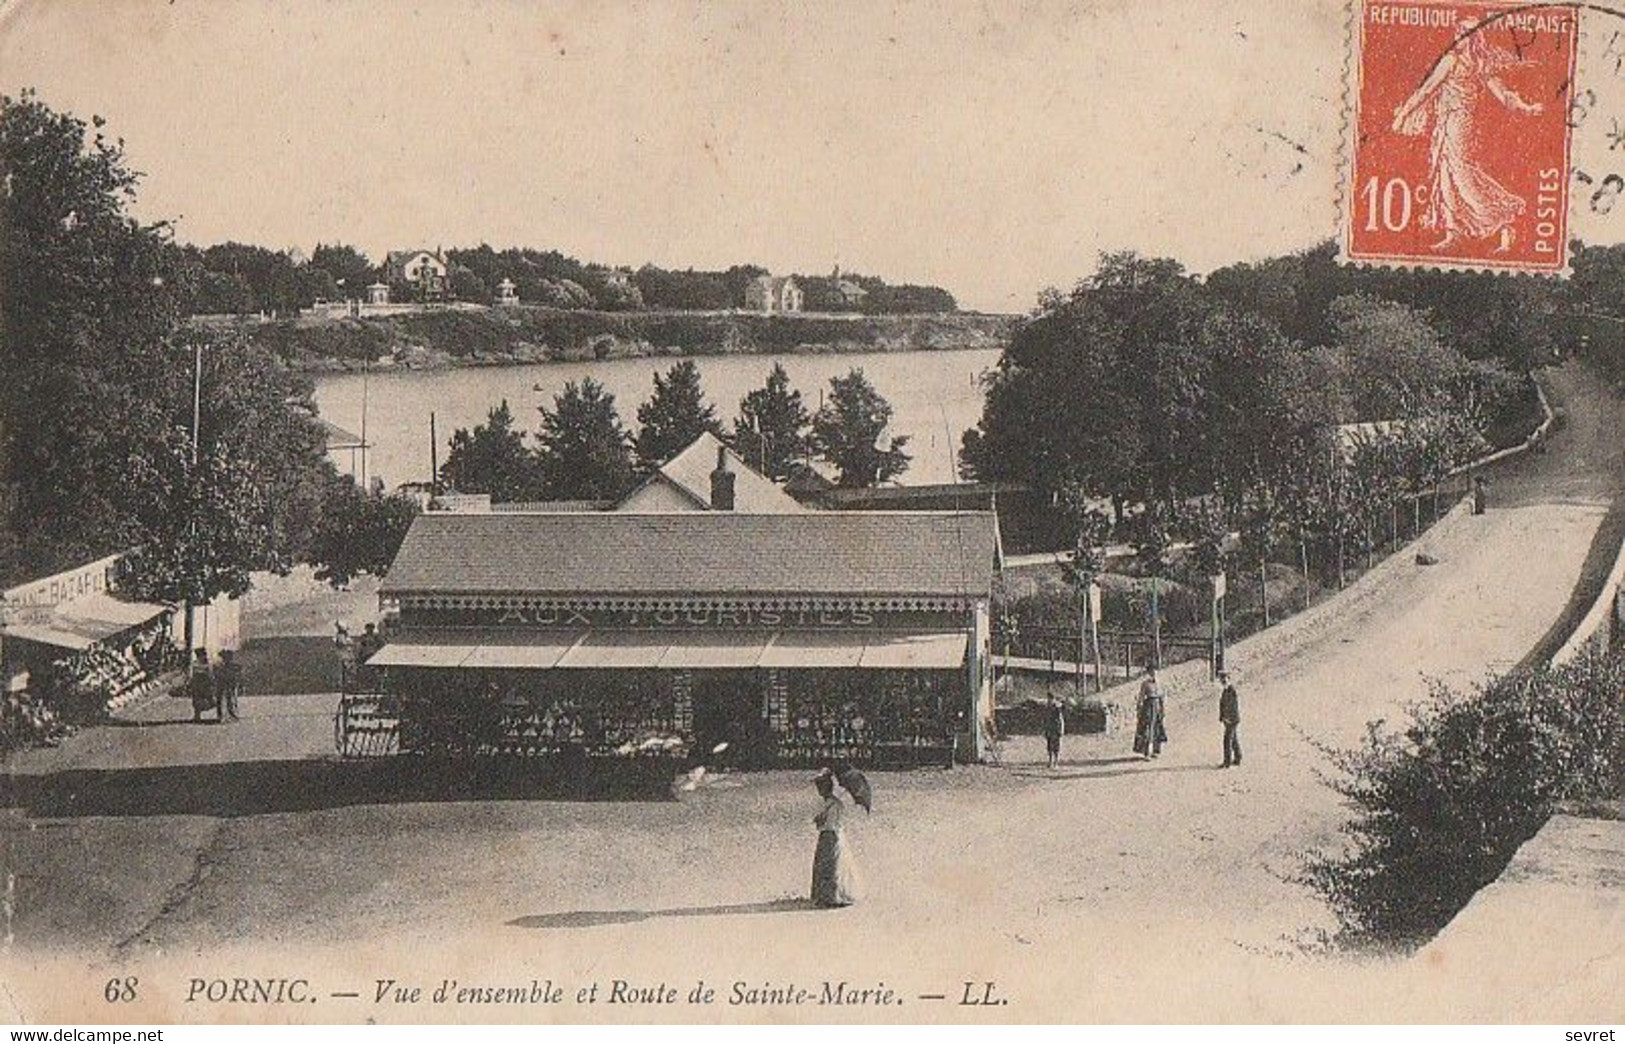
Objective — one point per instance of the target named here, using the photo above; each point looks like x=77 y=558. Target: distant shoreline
x=473 y=336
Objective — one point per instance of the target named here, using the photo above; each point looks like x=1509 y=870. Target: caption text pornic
x=450 y=992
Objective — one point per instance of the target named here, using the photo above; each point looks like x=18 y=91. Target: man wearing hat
x=1230 y=718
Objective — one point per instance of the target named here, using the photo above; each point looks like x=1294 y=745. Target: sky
x=994 y=149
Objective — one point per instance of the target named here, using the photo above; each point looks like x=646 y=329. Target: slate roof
x=772 y=283
x=401 y=257
x=690 y=471
x=339 y=438
x=695 y=553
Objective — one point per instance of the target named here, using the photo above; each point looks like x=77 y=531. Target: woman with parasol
x=834 y=877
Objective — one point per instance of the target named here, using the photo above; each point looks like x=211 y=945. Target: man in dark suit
x=1230 y=718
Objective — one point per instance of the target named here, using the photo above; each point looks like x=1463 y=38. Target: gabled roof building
x=793 y=637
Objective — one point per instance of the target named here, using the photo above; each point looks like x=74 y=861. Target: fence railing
x=1123 y=654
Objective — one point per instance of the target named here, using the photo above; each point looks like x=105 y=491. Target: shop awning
x=414 y=652
x=83 y=622
x=617 y=650
x=915 y=651
x=521 y=651
x=46 y=635
x=668 y=650
x=716 y=650
x=791 y=649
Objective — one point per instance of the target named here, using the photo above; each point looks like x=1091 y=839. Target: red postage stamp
x=1459 y=140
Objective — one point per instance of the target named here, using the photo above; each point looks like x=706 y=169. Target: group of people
x=214 y=687
x=354 y=652
x=1150 y=726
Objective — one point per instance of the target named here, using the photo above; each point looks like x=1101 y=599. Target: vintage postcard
x=734 y=512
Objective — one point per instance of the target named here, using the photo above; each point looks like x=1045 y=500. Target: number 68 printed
x=120 y=991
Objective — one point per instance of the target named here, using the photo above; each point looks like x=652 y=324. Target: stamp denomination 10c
x=1460 y=134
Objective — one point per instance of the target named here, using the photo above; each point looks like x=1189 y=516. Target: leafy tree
x=351 y=271
x=585 y=452
x=1481 y=314
x=361 y=531
x=674 y=416
x=1395 y=363
x=202 y=525
x=771 y=429
x=263 y=415
x=493 y=459
x=88 y=297
x=1261 y=525
x=466 y=285
x=691 y=290
x=1082 y=568
x=101 y=380
x=847 y=431
x=1259 y=403
x=1151 y=532
x=1103 y=388
x=272 y=281
x=908 y=299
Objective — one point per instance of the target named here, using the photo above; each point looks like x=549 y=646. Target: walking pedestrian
x=228 y=683
x=1230 y=718
x=834 y=877
x=1149 y=731
x=1479 y=494
x=1054 y=729
x=344 y=648
x=367 y=646
x=200 y=685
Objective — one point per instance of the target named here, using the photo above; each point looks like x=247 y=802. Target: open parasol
x=855 y=783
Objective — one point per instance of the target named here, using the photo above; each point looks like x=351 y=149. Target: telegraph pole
x=190 y=625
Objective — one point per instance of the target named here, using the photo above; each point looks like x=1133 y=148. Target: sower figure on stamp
x=1463 y=199
x=1230 y=718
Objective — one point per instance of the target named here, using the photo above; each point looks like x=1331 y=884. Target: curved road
x=1109 y=890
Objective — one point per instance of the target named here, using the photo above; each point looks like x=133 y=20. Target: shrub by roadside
x=26 y=721
x=1442 y=804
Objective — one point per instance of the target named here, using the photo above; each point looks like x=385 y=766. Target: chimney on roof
x=722 y=483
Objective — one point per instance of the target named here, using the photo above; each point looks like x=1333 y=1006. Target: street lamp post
x=190 y=620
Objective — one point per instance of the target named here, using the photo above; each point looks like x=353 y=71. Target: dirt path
x=1116 y=889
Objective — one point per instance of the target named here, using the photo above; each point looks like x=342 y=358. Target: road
x=1109 y=890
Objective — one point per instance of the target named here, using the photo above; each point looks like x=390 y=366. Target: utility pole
x=366 y=372
x=197 y=396
x=434 y=461
x=190 y=623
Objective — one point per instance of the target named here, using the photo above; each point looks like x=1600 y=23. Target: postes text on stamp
x=1459 y=140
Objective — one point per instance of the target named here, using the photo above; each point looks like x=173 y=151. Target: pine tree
x=847 y=430
x=583 y=450
x=771 y=429
x=493 y=459
x=674 y=416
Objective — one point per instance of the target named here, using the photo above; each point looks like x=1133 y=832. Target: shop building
x=792 y=638
x=73 y=641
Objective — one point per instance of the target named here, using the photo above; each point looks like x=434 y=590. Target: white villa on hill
x=773 y=294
